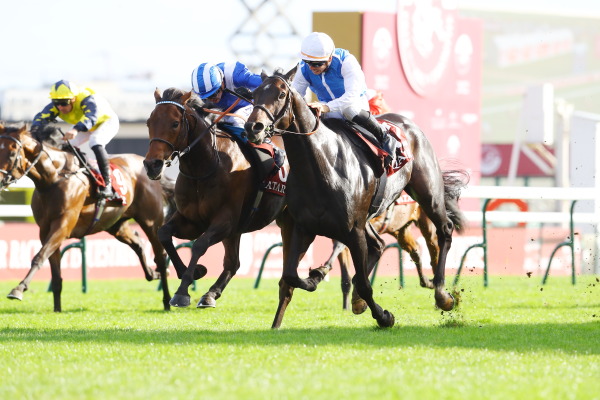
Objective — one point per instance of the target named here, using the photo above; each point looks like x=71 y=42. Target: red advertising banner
x=427 y=61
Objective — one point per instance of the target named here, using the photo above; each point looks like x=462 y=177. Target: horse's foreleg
x=231 y=263
x=214 y=234
x=298 y=244
x=285 y=296
x=56 y=282
x=366 y=249
x=50 y=244
x=165 y=236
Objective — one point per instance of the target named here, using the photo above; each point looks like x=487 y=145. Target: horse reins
x=17 y=159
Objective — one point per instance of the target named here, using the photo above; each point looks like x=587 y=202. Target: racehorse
x=395 y=221
x=216 y=192
x=332 y=184
x=64 y=205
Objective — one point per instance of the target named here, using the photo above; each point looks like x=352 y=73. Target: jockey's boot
x=368 y=121
x=102 y=159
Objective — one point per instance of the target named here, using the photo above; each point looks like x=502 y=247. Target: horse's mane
x=49 y=135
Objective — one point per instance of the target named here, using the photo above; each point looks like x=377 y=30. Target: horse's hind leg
x=428 y=187
x=428 y=231
x=285 y=297
x=344 y=260
x=124 y=234
x=56 y=282
x=343 y=255
x=407 y=242
x=231 y=264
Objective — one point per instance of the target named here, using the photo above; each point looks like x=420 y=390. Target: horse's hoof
x=180 y=301
x=387 y=321
x=359 y=306
x=445 y=303
x=318 y=273
x=200 y=272
x=206 y=302
x=15 y=294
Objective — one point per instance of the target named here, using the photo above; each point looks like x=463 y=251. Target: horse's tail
x=454 y=181
x=168 y=191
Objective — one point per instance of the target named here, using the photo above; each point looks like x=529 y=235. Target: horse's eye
x=281 y=95
x=175 y=125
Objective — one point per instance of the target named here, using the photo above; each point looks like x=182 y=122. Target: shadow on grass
x=576 y=338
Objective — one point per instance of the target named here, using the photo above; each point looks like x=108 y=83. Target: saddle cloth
x=402 y=152
x=117 y=182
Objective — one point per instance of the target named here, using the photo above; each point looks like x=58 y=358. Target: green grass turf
x=512 y=340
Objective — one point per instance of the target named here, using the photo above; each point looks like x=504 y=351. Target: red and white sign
x=513 y=251
x=427 y=61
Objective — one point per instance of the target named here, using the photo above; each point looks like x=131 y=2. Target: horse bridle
x=271 y=130
x=174 y=152
x=9 y=177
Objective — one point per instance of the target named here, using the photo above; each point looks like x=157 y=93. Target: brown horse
x=216 y=193
x=64 y=205
x=395 y=221
x=332 y=185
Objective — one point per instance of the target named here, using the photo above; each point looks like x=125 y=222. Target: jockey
x=337 y=79
x=93 y=120
x=209 y=83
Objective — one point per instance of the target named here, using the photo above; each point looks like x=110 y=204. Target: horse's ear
x=186 y=97
x=1 y=127
x=291 y=73
x=263 y=75
x=157 y=95
x=23 y=129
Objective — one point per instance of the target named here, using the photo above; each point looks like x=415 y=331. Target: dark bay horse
x=331 y=187
x=215 y=193
x=64 y=205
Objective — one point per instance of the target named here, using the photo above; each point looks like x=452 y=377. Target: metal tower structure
x=267 y=38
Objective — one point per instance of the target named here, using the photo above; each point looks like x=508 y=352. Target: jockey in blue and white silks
x=210 y=81
x=342 y=84
x=335 y=76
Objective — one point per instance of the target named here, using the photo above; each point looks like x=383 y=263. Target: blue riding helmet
x=206 y=80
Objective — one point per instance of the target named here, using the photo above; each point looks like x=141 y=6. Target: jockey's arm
x=354 y=85
x=47 y=115
x=90 y=115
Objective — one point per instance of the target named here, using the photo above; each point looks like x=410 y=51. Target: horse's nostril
x=258 y=127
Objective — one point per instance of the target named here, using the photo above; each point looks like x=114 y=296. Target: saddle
x=96 y=178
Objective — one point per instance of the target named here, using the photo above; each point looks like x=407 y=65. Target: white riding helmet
x=317 y=46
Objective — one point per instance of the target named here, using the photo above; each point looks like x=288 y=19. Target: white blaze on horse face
x=2 y=146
